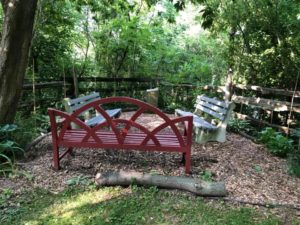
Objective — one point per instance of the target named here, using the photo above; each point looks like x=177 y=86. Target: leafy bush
x=294 y=157
x=276 y=143
x=239 y=125
x=8 y=147
x=30 y=127
x=294 y=163
x=207 y=175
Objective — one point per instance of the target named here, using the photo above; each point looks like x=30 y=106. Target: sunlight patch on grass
x=68 y=210
x=128 y=206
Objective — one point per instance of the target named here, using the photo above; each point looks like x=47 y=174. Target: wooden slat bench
x=212 y=128
x=73 y=104
x=117 y=133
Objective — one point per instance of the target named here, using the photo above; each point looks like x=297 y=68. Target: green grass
x=124 y=206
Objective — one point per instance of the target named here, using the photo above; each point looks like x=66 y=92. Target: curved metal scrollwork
x=111 y=123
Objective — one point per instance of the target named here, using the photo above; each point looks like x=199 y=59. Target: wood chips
x=249 y=171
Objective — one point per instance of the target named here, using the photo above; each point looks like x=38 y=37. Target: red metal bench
x=120 y=133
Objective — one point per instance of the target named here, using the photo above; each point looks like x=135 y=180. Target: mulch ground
x=248 y=170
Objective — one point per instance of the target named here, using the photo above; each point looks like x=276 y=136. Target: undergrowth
x=15 y=137
x=125 y=207
x=276 y=143
x=9 y=149
x=30 y=127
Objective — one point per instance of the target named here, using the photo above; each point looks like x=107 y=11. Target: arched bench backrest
x=112 y=123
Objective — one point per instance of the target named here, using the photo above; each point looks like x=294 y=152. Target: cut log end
x=196 y=186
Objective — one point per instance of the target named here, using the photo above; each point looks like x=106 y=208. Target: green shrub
x=294 y=164
x=294 y=157
x=207 y=175
x=239 y=125
x=30 y=127
x=8 y=147
x=276 y=143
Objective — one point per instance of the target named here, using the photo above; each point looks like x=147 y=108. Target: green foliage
x=30 y=127
x=276 y=143
x=294 y=157
x=5 y=195
x=125 y=207
x=8 y=148
x=206 y=175
x=239 y=125
x=294 y=163
x=145 y=43
x=79 y=180
x=263 y=38
x=52 y=43
x=257 y=168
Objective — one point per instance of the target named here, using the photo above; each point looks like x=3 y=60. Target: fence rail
x=284 y=103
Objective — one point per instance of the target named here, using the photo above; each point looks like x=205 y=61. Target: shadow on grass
x=127 y=206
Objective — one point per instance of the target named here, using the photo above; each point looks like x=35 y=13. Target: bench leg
x=70 y=151
x=55 y=158
x=187 y=159
x=183 y=159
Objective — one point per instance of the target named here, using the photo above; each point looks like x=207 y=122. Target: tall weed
x=276 y=143
x=8 y=148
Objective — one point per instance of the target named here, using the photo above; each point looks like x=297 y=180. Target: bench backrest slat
x=214 y=101
x=210 y=112
x=212 y=107
x=217 y=108
x=84 y=98
x=74 y=104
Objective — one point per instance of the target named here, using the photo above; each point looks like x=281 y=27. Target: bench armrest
x=188 y=127
x=54 y=123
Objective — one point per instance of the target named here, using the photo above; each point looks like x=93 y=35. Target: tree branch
x=196 y=186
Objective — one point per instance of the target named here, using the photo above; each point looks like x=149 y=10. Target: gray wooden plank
x=216 y=108
x=100 y=119
x=214 y=101
x=183 y=113
x=95 y=120
x=84 y=98
x=77 y=106
x=197 y=121
x=210 y=112
x=113 y=112
x=201 y=123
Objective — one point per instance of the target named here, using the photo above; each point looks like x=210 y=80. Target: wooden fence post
x=228 y=86
x=75 y=81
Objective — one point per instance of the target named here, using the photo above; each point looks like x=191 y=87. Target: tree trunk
x=195 y=186
x=14 y=50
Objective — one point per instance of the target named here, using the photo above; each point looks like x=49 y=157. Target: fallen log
x=193 y=185
x=36 y=141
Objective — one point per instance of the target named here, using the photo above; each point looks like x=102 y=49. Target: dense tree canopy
x=258 y=40
x=264 y=44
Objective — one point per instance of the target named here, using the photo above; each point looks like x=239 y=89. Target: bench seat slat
x=166 y=140
x=197 y=121
x=125 y=147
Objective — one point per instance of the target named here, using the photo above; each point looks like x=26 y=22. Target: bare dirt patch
x=249 y=171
